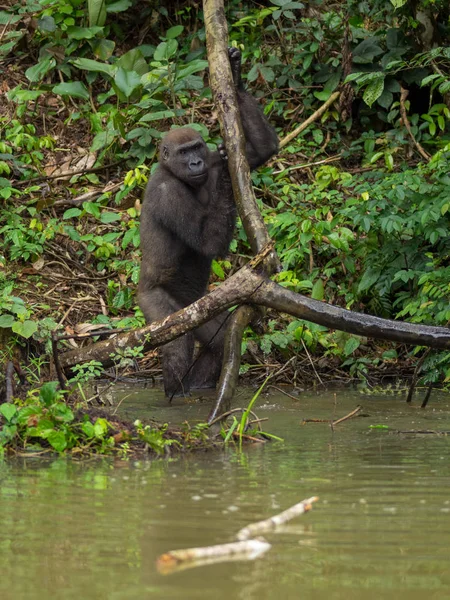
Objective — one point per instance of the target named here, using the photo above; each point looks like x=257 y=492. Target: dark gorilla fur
x=187 y=220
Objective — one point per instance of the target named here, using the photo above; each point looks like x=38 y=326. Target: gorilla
x=187 y=220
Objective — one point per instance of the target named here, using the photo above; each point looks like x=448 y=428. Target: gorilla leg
x=206 y=370
x=177 y=355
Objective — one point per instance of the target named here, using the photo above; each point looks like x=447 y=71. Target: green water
x=381 y=529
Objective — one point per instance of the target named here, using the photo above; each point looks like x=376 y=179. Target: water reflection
x=93 y=530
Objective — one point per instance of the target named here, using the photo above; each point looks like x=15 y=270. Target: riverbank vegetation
x=357 y=202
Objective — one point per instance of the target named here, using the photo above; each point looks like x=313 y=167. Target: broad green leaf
x=74 y=89
x=373 y=91
x=267 y=73
x=165 y=50
x=49 y=392
x=101 y=140
x=104 y=49
x=72 y=212
x=109 y=217
x=191 y=68
x=88 y=429
x=174 y=32
x=8 y=411
x=61 y=412
x=366 y=51
x=47 y=23
x=351 y=345
x=6 y=320
x=8 y=18
x=101 y=427
x=97 y=12
x=83 y=33
x=92 y=208
x=25 y=328
x=386 y=99
x=92 y=65
x=398 y=3
x=38 y=71
x=133 y=61
x=317 y=291
x=57 y=439
x=157 y=115
x=119 y=6
x=127 y=81
x=217 y=270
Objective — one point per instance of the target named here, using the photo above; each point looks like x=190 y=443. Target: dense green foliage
x=358 y=204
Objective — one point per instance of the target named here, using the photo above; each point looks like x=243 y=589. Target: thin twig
x=59 y=371
x=307 y=165
x=319 y=112
x=403 y=96
x=283 y=392
x=311 y=362
x=415 y=376
x=9 y=381
x=349 y=416
x=66 y=174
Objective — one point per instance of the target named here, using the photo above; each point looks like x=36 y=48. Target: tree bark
x=239 y=320
x=251 y=287
x=222 y=86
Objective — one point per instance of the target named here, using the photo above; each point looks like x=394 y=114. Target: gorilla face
x=185 y=154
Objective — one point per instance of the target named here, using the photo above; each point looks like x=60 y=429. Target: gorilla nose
x=197 y=166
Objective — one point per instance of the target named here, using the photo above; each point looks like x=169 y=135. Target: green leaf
x=165 y=50
x=72 y=212
x=109 y=217
x=8 y=18
x=27 y=412
x=398 y=3
x=267 y=73
x=47 y=23
x=103 y=49
x=119 y=6
x=88 y=429
x=57 y=439
x=157 y=115
x=93 y=65
x=101 y=140
x=386 y=99
x=97 y=12
x=101 y=427
x=74 y=89
x=127 y=81
x=351 y=345
x=6 y=320
x=8 y=411
x=49 y=392
x=373 y=91
x=366 y=51
x=133 y=61
x=174 y=32
x=25 y=328
x=317 y=291
x=61 y=412
x=92 y=209
x=83 y=33
x=217 y=270
x=38 y=71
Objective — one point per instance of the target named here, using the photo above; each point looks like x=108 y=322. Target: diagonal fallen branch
x=251 y=287
x=244 y=549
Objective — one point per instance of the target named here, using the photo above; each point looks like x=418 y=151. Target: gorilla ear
x=165 y=152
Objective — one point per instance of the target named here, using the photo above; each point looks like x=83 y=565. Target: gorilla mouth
x=199 y=176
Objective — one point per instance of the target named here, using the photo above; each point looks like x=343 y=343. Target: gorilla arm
x=205 y=228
